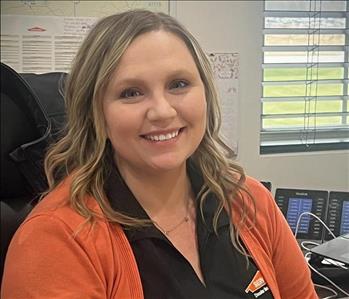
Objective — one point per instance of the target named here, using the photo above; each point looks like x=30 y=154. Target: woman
x=144 y=201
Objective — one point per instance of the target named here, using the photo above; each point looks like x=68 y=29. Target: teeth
x=162 y=137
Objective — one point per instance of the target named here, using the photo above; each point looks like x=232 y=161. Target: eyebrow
x=135 y=80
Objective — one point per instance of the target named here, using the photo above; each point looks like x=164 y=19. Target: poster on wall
x=40 y=44
x=226 y=73
x=44 y=36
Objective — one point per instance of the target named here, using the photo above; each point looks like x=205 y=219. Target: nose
x=161 y=109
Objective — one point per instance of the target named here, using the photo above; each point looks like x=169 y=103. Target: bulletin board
x=78 y=8
x=44 y=36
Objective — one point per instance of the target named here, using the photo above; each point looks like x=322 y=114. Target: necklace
x=166 y=232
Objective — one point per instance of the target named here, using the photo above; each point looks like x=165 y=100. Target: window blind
x=305 y=99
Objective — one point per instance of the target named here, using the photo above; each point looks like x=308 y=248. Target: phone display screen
x=297 y=206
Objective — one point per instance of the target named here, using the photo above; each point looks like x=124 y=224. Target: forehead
x=156 y=50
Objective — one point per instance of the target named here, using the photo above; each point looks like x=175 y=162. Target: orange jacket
x=47 y=260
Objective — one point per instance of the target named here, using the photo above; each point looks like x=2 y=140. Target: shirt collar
x=122 y=200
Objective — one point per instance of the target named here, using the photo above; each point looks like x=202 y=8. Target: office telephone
x=338 y=214
x=294 y=202
x=331 y=207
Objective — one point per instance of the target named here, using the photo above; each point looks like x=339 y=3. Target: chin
x=167 y=164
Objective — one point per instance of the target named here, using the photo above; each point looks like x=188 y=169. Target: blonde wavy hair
x=84 y=153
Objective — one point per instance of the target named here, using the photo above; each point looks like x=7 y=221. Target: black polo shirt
x=165 y=273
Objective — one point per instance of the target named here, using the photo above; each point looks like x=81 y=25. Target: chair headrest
x=16 y=129
x=23 y=121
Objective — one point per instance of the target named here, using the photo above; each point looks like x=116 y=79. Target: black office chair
x=266 y=185
x=32 y=115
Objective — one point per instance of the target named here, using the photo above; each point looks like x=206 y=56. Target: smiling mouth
x=162 y=137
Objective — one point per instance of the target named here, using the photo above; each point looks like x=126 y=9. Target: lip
x=163 y=132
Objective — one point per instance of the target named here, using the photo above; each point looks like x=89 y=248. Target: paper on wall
x=226 y=73
x=40 y=44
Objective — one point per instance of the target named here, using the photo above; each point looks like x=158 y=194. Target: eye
x=178 y=84
x=130 y=93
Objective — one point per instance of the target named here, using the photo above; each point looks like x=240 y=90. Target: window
x=305 y=103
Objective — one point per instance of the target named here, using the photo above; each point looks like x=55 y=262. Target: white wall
x=236 y=26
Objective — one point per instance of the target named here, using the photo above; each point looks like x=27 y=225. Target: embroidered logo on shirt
x=257 y=286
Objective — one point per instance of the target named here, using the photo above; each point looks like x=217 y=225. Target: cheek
x=117 y=129
x=203 y=117
x=123 y=125
x=198 y=109
x=114 y=122
x=109 y=124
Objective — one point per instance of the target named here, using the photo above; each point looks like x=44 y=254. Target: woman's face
x=154 y=105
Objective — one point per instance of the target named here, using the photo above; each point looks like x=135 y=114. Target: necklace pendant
x=167 y=232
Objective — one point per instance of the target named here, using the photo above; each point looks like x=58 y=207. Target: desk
x=323 y=293
x=336 y=274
